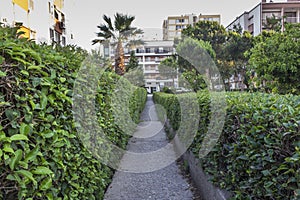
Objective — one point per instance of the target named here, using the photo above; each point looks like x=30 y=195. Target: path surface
x=162 y=184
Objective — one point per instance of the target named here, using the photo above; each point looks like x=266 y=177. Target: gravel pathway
x=163 y=184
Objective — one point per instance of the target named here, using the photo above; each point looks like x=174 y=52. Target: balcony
x=292 y=20
x=151 y=71
x=59 y=27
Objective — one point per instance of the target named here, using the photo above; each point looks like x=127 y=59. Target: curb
x=201 y=180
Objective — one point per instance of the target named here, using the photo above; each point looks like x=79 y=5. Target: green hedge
x=258 y=153
x=41 y=156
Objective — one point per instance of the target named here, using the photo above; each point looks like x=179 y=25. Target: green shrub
x=41 y=156
x=258 y=153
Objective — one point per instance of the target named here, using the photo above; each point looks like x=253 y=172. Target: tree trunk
x=119 y=59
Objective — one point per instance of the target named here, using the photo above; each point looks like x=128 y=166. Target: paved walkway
x=163 y=184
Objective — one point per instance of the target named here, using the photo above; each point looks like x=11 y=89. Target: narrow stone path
x=163 y=184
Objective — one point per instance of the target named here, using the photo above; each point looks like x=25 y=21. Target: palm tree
x=118 y=33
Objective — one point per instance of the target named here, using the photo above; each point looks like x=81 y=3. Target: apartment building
x=43 y=21
x=149 y=56
x=255 y=20
x=173 y=25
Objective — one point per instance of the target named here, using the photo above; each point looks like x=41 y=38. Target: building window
x=63 y=41
x=194 y=19
x=291 y=17
x=180 y=20
x=56 y=13
x=51 y=34
x=49 y=7
x=251 y=28
x=62 y=17
x=57 y=37
x=178 y=27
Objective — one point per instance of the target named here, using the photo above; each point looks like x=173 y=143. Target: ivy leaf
x=18 y=137
x=26 y=73
x=15 y=160
x=1 y=61
x=25 y=129
x=44 y=101
x=42 y=170
x=2 y=74
x=11 y=114
x=27 y=174
x=46 y=183
x=62 y=80
x=8 y=149
x=32 y=154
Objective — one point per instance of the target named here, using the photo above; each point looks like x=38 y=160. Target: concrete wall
x=256 y=13
x=205 y=188
x=40 y=21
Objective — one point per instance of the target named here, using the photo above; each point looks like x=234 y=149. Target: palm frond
x=119 y=21
x=123 y=22
x=134 y=43
x=95 y=41
x=105 y=32
x=138 y=31
x=108 y=21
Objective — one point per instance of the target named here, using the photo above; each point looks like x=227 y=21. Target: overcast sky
x=84 y=15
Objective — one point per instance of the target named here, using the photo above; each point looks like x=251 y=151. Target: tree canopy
x=117 y=33
x=276 y=60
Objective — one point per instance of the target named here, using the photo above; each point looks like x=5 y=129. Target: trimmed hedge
x=258 y=153
x=41 y=156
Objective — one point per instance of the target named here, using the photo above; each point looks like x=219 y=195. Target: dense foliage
x=228 y=51
x=258 y=153
x=41 y=156
x=275 y=59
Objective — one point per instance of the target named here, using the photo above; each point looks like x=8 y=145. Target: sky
x=83 y=16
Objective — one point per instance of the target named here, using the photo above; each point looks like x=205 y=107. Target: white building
x=149 y=56
x=43 y=21
x=255 y=20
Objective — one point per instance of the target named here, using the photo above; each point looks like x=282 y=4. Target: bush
x=258 y=153
x=41 y=156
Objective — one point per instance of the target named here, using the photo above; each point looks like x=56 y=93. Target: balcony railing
x=292 y=19
x=285 y=19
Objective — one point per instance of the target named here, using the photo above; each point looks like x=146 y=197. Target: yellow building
x=173 y=25
x=43 y=21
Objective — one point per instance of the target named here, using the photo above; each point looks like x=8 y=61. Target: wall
x=256 y=13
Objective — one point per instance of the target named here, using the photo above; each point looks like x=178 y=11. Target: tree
x=209 y=31
x=216 y=35
x=133 y=62
x=237 y=43
x=168 y=69
x=275 y=60
x=229 y=47
x=117 y=33
x=96 y=58
x=273 y=23
x=134 y=72
x=196 y=61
